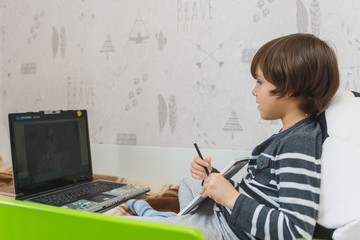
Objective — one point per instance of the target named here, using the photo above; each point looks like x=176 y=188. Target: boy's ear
x=289 y=95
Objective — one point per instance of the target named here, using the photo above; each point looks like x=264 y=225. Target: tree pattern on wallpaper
x=107 y=47
x=232 y=124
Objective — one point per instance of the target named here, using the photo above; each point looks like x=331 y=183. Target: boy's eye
x=258 y=82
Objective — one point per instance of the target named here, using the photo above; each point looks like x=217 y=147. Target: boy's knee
x=185 y=182
x=190 y=183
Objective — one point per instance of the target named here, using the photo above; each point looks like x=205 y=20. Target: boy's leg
x=188 y=190
x=206 y=219
x=142 y=208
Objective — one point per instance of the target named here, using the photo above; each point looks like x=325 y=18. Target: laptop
x=52 y=163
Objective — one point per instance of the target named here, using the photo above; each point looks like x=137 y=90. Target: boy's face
x=271 y=107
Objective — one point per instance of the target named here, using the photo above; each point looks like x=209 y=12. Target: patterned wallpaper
x=159 y=72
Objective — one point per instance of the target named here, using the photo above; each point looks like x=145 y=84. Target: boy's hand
x=220 y=190
x=197 y=167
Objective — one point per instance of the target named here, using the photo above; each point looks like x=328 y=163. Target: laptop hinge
x=83 y=179
x=19 y=196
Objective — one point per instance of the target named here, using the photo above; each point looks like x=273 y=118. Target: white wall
x=160 y=73
x=156 y=164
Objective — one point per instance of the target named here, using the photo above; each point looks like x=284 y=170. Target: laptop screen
x=49 y=150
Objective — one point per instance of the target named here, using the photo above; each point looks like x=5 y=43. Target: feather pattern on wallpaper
x=62 y=41
x=301 y=17
x=172 y=113
x=162 y=112
x=55 y=41
x=315 y=17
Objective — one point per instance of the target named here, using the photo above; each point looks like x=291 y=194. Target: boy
x=296 y=76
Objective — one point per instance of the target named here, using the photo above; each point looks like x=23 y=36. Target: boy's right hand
x=197 y=167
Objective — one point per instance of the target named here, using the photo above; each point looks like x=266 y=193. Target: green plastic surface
x=23 y=220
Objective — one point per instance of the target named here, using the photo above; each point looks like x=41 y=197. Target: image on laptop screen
x=50 y=150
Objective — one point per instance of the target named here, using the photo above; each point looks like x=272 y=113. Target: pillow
x=339 y=194
x=350 y=231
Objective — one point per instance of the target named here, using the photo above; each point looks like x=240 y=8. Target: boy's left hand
x=220 y=190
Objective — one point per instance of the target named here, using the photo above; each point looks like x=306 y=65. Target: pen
x=199 y=153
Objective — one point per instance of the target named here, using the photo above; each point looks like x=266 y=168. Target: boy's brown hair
x=302 y=66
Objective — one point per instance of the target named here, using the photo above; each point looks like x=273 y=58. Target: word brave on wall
x=194 y=10
x=80 y=95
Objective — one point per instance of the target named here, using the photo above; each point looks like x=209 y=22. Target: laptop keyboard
x=76 y=193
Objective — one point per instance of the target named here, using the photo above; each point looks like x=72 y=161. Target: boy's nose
x=254 y=91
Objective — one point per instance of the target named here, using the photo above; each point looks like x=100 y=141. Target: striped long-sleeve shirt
x=280 y=194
